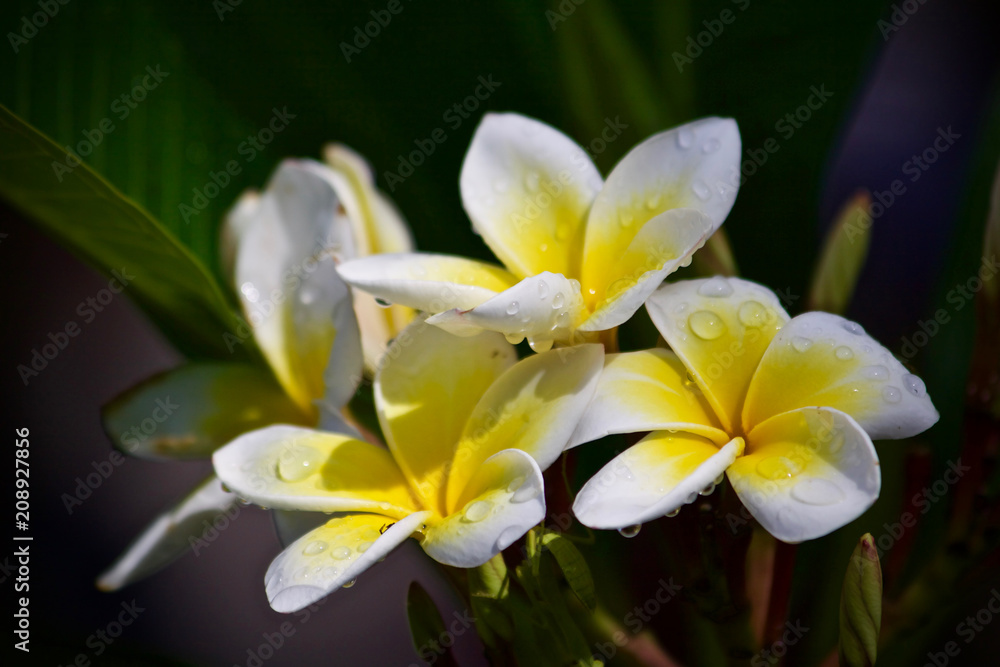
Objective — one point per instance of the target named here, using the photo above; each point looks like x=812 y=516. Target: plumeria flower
x=786 y=408
x=581 y=254
x=469 y=432
x=300 y=315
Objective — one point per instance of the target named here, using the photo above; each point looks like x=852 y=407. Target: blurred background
x=856 y=95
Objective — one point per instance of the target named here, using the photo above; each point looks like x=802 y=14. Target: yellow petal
x=504 y=498
x=533 y=407
x=647 y=391
x=527 y=188
x=285 y=467
x=333 y=555
x=427 y=387
x=719 y=327
x=823 y=359
x=654 y=477
x=806 y=473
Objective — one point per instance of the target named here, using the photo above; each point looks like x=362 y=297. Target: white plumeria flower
x=301 y=317
x=581 y=255
x=469 y=433
x=786 y=408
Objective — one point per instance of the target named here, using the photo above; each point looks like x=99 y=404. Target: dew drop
x=801 y=344
x=298 y=462
x=844 y=353
x=543 y=289
x=706 y=325
x=653 y=201
x=307 y=296
x=558 y=300
x=350 y=583
x=914 y=385
x=617 y=287
x=364 y=546
x=814 y=491
x=250 y=292
x=892 y=395
x=525 y=493
x=515 y=484
x=673 y=513
x=778 y=467
x=314 y=548
x=543 y=345
x=625 y=219
x=330 y=572
x=877 y=372
x=513 y=307
x=716 y=287
x=707 y=491
x=563 y=231
x=341 y=553
x=752 y=314
x=854 y=328
x=711 y=146
x=685 y=138
x=630 y=531
x=691 y=498
x=477 y=510
x=718 y=480
x=513 y=339
x=701 y=190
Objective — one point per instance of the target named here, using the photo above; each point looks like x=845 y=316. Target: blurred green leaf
x=106 y=229
x=861 y=606
x=842 y=257
x=574 y=567
x=489 y=589
x=426 y=626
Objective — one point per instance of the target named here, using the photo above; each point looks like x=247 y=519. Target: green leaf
x=426 y=626
x=108 y=230
x=861 y=606
x=190 y=411
x=489 y=589
x=842 y=257
x=574 y=567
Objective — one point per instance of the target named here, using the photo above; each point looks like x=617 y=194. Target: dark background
x=892 y=90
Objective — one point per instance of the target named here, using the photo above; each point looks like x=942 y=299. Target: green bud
x=861 y=606
x=842 y=257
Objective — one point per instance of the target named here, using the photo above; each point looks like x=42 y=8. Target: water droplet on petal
x=298 y=462
x=630 y=531
x=250 y=292
x=364 y=546
x=877 y=372
x=778 y=467
x=892 y=395
x=706 y=325
x=314 y=548
x=844 y=353
x=563 y=231
x=558 y=300
x=707 y=491
x=718 y=480
x=653 y=201
x=513 y=339
x=673 y=513
x=716 y=287
x=515 y=484
x=513 y=307
x=701 y=190
x=625 y=219
x=330 y=572
x=341 y=553
x=540 y=345
x=914 y=385
x=753 y=314
x=525 y=493
x=854 y=328
x=815 y=491
x=801 y=344
x=691 y=498
x=307 y=296
x=350 y=583
x=477 y=510
x=711 y=146
x=543 y=289
x=685 y=138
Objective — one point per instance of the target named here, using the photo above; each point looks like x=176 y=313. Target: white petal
x=542 y=308
x=527 y=188
x=332 y=555
x=432 y=283
x=502 y=501
x=807 y=473
x=823 y=359
x=169 y=536
x=694 y=166
x=657 y=475
x=235 y=224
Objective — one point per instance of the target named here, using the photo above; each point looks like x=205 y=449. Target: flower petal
x=654 y=477
x=719 y=327
x=534 y=407
x=432 y=283
x=543 y=308
x=527 y=188
x=823 y=359
x=646 y=391
x=502 y=501
x=332 y=555
x=288 y=284
x=169 y=536
x=428 y=385
x=190 y=411
x=691 y=166
x=286 y=467
x=238 y=219
x=663 y=245
x=806 y=473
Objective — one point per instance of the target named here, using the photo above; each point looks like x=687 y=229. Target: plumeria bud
x=861 y=606
x=842 y=256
